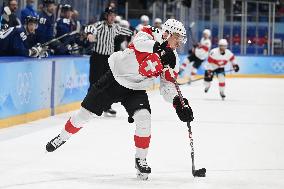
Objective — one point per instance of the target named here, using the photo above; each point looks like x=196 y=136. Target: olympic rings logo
x=278 y=67
x=24 y=87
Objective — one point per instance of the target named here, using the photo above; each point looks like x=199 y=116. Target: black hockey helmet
x=66 y=7
x=109 y=10
x=32 y=19
x=47 y=2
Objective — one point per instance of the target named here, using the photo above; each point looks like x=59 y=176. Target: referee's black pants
x=98 y=67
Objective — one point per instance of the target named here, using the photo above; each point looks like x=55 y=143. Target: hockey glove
x=90 y=29
x=158 y=48
x=169 y=58
x=185 y=114
x=35 y=51
x=236 y=67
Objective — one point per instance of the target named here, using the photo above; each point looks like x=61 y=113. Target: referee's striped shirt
x=105 y=37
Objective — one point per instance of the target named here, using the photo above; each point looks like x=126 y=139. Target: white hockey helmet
x=124 y=23
x=158 y=20
x=207 y=32
x=144 y=18
x=174 y=26
x=223 y=42
x=118 y=19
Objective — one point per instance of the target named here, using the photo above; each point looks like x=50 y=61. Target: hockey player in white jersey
x=151 y=54
x=217 y=60
x=198 y=54
x=144 y=21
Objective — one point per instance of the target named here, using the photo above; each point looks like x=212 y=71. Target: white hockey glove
x=35 y=51
x=7 y=11
x=90 y=29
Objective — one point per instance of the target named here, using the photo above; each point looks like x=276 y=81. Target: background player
x=198 y=54
x=133 y=70
x=144 y=21
x=217 y=60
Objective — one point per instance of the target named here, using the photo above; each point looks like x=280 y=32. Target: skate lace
x=57 y=141
x=143 y=163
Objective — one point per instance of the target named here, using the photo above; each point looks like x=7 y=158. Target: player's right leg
x=208 y=77
x=221 y=77
x=138 y=108
x=96 y=101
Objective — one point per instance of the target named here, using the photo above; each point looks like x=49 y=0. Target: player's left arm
x=169 y=92
x=233 y=62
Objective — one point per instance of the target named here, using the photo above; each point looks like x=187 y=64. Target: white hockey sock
x=141 y=153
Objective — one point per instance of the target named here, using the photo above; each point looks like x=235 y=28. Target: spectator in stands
x=236 y=39
x=9 y=17
x=28 y=11
x=215 y=40
x=45 y=30
x=227 y=37
x=262 y=41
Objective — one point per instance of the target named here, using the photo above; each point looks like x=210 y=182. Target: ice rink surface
x=240 y=141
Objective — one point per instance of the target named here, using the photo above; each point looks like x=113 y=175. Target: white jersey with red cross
x=218 y=60
x=137 y=67
x=202 y=50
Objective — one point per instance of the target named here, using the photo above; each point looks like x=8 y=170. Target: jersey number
x=23 y=36
x=42 y=20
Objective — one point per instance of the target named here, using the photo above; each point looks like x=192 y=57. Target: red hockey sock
x=69 y=127
x=142 y=142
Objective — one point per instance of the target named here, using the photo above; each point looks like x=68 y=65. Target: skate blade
x=142 y=176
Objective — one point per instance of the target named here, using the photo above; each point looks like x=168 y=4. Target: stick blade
x=200 y=173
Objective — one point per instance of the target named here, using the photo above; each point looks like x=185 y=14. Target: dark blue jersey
x=13 y=42
x=63 y=26
x=45 y=30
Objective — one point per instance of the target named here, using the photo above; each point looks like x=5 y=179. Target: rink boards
x=36 y=88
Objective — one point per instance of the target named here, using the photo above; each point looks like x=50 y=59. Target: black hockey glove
x=185 y=114
x=236 y=67
x=169 y=58
x=158 y=48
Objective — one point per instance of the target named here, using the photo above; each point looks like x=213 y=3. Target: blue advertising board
x=29 y=85
x=71 y=80
x=252 y=65
x=25 y=87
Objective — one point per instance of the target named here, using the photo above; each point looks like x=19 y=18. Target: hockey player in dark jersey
x=30 y=25
x=64 y=24
x=45 y=30
x=12 y=42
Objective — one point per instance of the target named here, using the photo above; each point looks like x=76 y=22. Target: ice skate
x=222 y=94
x=206 y=89
x=54 y=144
x=143 y=170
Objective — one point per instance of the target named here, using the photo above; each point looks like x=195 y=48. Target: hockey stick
x=193 y=41
x=201 y=78
x=199 y=172
x=60 y=37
